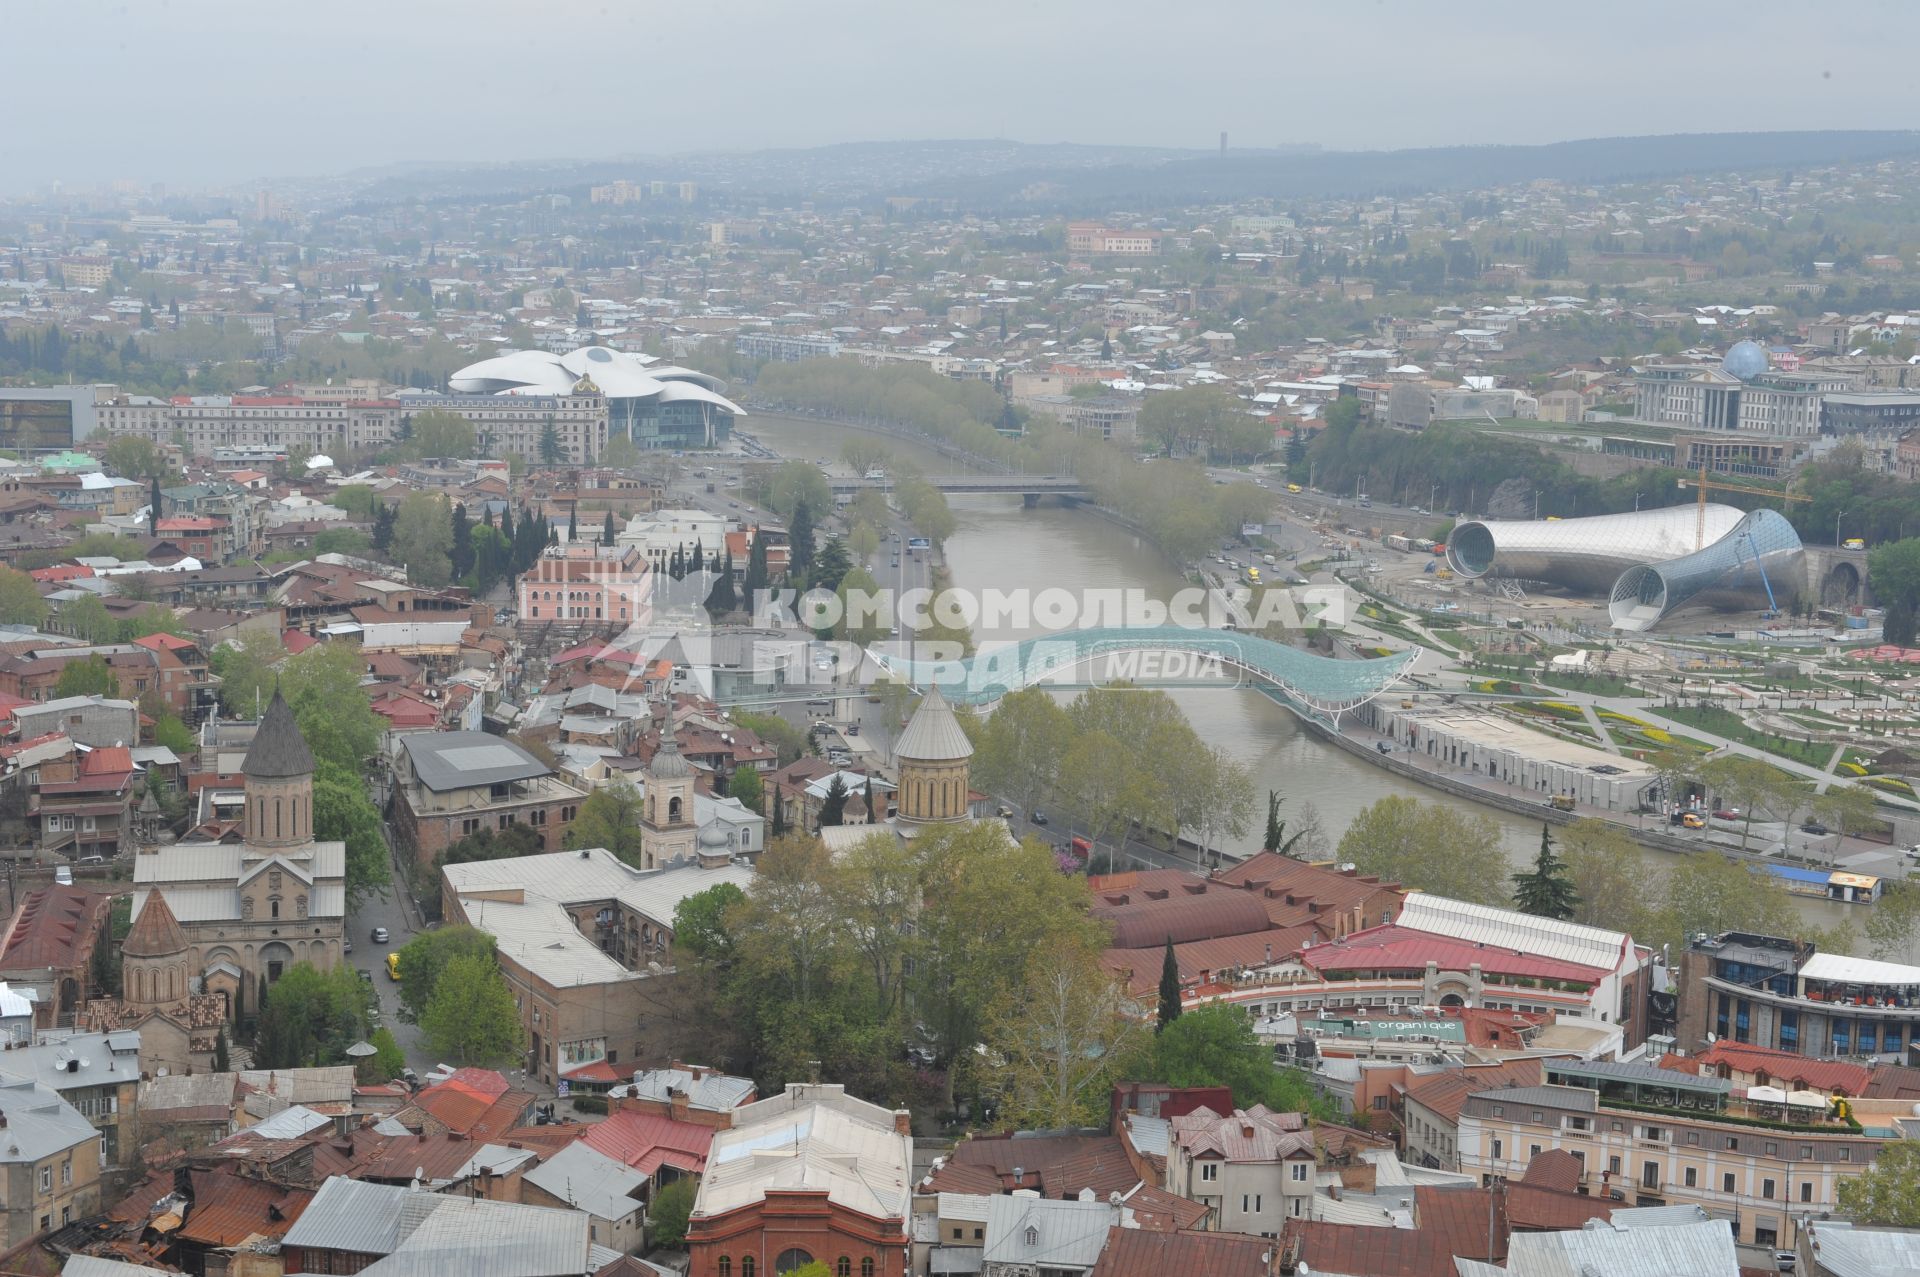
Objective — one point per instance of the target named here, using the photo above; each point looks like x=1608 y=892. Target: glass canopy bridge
x=1317 y=685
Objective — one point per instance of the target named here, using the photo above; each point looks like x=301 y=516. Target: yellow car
x=1691 y=821
x=393 y=966
x=1293 y=487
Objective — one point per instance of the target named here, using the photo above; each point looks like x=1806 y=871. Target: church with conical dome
x=216 y=922
x=932 y=762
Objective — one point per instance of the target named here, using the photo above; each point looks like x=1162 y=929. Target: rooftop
x=811 y=1137
x=445 y=761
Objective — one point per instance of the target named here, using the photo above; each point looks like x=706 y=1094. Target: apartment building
x=1770 y=991
x=49 y=1162
x=451 y=785
x=783 y=348
x=1254 y=1168
x=1094 y=239
x=589 y=585
x=1654 y=1137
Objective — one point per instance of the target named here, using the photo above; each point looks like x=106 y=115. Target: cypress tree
x=1545 y=891
x=1169 y=988
x=606 y=530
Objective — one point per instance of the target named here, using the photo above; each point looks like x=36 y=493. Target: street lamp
x=1836 y=528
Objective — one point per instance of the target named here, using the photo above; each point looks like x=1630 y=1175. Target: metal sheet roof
x=1565 y=941
x=589 y=1180
x=446 y=761
x=1701 y=1249
x=1843 y=969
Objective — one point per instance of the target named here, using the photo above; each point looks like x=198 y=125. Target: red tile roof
x=1398 y=948
x=1783 y=1068
x=295 y=642
x=165 y=642
x=1359 y=1248
x=49 y=927
x=645 y=1141
x=1133 y=1252
x=108 y=760
x=1157 y=1209
x=1535 y=1209
x=1198 y=958
x=1057 y=1165
x=1444 y=1093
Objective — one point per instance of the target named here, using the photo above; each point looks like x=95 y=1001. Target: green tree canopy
x=1888 y=1192
x=424 y=957
x=88 y=676
x=309 y=1017
x=1214 y=1045
x=471 y=1016
x=1430 y=846
x=423 y=538
x=609 y=818
x=20 y=601
x=440 y=433
x=668 y=1213
x=1546 y=890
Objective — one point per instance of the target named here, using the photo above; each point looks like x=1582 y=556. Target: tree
x=550 y=444
x=489 y=844
x=800 y=533
x=1612 y=883
x=460 y=552
x=744 y=784
x=621 y=453
x=89 y=676
x=424 y=957
x=471 y=1016
x=831 y=564
x=1429 y=846
x=874 y=888
x=309 y=1017
x=1894 y=918
x=1711 y=893
x=794 y=484
x=833 y=807
x=668 y=1213
x=222 y=1061
x=610 y=818
x=862 y=542
x=423 y=538
x=357 y=499
x=862 y=620
x=1214 y=1045
x=1894 y=567
x=1851 y=809
x=1545 y=891
x=1215 y=796
x=441 y=434
x=1751 y=784
x=700 y=927
x=1888 y=1192
x=87 y=619
x=20 y=601
x=607 y=534
x=132 y=457
x=342 y=812
x=789 y=742
x=387 y=1061
x=383 y=519
x=1020 y=747
x=1061 y=1035
x=1169 y=988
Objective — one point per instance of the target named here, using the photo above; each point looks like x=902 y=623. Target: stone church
x=216 y=923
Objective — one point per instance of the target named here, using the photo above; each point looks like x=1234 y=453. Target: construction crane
x=1706 y=485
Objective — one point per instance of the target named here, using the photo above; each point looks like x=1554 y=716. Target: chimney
x=343 y=1124
x=677 y=1104
x=902 y=1122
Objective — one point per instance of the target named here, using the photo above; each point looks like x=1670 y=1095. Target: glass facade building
x=1582 y=554
x=1757 y=564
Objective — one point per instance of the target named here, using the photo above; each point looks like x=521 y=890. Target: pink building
x=584 y=583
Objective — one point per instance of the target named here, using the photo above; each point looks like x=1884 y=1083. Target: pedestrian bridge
x=1320 y=685
x=1010 y=484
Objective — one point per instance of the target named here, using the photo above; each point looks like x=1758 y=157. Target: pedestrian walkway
x=1599 y=730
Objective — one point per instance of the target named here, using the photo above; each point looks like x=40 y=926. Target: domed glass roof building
x=655 y=404
x=1746 y=360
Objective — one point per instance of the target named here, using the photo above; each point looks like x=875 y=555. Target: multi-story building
x=580 y=936
x=451 y=785
x=1655 y=1137
x=182 y=676
x=1703 y=397
x=83 y=806
x=1774 y=992
x=1253 y=1167
x=49 y=1161
x=585 y=585
x=785 y=348
x=1866 y=414
x=811 y=1174
x=658 y=535
x=97 y=1074
x=1094 y=239
x=1451 y=953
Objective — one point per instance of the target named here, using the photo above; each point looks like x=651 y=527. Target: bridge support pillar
x=1030 y=499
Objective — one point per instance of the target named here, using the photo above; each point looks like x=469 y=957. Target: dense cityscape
x=965 y=707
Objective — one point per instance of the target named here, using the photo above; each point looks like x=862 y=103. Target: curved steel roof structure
x=1757 y=563
x=621 y=377
x=1317 y=683
x=1584 y=554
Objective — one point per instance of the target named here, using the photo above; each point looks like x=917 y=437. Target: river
x=999 y=543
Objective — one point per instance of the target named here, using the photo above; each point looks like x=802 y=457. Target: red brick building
x=837 y=1193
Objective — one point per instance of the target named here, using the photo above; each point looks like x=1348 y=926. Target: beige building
x=1254 y=1167
x=229 y=919
x=1656 y=1137
x=49 y=1162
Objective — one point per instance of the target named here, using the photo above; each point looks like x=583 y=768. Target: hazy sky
x=225 y=91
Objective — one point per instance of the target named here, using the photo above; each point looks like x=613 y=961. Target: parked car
x=1814 y=827
x=1691 y=819
x=379 y=935
x=1726 y=813
x=347 y=947
x=1037 y=818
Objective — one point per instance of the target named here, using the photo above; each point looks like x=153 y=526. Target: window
x=1693 y=1137
x=1806 y=1151
x=1806 y=1190
x=66 y=1173
x=1846 y=1154
x=1766 y=1189
x=1650 y=1175
x=746 y=1266
x=1246 y=1202
x=844 y=1266
x=1533 y=1151
x=1733 y=1143
x=791 y=1258
x=1379 y=1102
x=1764 y=1235
x=1300 y=1170
x=1496 y=1150
x=1773 y=1149
x=1726 y=1182
x=1691 y=1178
x=1613 y=1166
x=866 y=1266
x=726 y=1266
x=1209 y=1171
x=46 y=1179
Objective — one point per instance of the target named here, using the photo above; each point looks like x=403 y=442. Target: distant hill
x=1214 y=178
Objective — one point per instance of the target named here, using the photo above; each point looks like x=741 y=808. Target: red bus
x=1081 y=847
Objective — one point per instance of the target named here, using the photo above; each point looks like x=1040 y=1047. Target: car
x=1383 y=747
x=63 y=874
x=896 y=563
x=1691 y=820
x=347 y=947
x=93 y=860
x=380 y=935
x=1726 y=813
x=1037 y=818
x=1785 y=1260
x=366 y=977
x=1814 y=827
x=853 y=729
